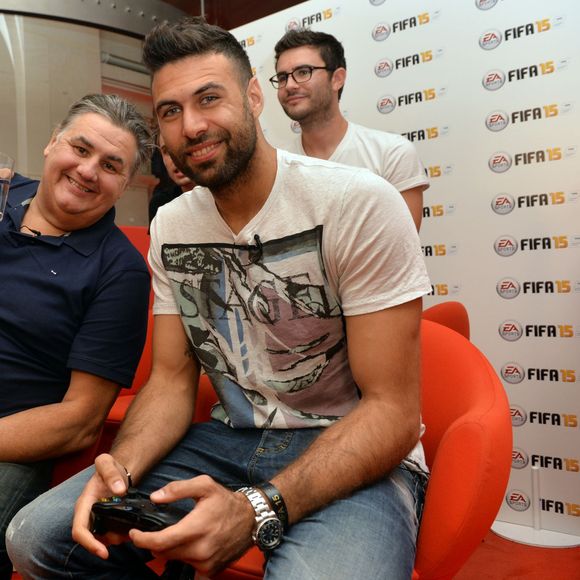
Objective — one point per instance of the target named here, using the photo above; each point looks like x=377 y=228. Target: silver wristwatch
x=268 y=530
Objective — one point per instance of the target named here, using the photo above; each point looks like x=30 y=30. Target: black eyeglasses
x=300 y=74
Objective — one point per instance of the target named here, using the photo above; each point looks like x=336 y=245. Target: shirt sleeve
x=164 y=300
x=112 y=334
x=379 y=262
x=403 y=168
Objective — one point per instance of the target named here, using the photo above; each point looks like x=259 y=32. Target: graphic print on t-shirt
x=267 y=329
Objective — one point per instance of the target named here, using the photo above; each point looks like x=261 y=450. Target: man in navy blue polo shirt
x=73 y=297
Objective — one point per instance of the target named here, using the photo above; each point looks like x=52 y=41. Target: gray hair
x=122 y=114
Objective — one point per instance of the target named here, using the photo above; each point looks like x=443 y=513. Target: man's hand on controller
x=109 y=479
x=217 y=531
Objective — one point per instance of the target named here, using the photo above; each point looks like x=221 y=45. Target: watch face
x=269 y=534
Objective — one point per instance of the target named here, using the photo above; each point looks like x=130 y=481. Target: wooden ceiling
x=232 y=13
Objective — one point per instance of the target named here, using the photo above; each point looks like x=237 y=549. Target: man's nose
x=194 y=124
x=87 y=168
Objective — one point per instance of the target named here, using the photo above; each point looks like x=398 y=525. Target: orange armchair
x=468 y=445
x=451 y=314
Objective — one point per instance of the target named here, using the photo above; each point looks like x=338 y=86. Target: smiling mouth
x=203 y=152
x=78 y=185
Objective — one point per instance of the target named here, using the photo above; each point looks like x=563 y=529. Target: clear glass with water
x=6 y=172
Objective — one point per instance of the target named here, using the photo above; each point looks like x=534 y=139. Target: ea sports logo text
x=493 y=80
x=490 y=39
x=485 y=4
x=505 y=246
x=510 y=330
x=508 y=288
x=497 y=121
x=386 y=104
x=517 y=500
x=500 y=162
x=518 y=416
x=381 y=31
x=502 y=204
x=513 y=373
x=292 y=24
x=384 y=67
x=520 y=458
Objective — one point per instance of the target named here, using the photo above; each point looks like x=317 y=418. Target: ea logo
x=510 y=330
x=520 y=458
x=377 y=2
x=512 y=373
x=508 y=288
x=497 y=121
x=490 y=39
x=384 y=67
x=505 y=246
x=295 y=127
x=518 y=415
x=500 y=162
x=517 y=500
x=386 y=104
x=381 y=31
x=292 y=24
x=503 y=203
x=485 y=4
x=493 y=80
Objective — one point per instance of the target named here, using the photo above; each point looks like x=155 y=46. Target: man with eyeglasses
x=310 y=77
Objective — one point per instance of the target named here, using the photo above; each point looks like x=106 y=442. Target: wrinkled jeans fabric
x=370 y=534
x=19 y=484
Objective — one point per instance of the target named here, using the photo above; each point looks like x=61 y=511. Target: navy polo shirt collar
x=85 y=241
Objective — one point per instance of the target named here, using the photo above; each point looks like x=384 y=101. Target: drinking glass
x=6 y=172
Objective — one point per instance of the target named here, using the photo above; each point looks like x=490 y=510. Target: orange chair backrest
x=451 y=314
x=468 y=446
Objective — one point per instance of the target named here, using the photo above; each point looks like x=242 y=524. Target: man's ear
x=338 y=78
x=255 y=97
x=51 y=143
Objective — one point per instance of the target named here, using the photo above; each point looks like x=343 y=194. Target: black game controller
x=135 y=510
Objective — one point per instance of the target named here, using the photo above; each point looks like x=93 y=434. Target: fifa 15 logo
x=411 y=22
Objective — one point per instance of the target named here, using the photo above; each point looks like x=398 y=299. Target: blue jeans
x=370 y=534
x=19 y=484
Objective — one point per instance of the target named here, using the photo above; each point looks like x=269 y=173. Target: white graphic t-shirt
x=264 y=309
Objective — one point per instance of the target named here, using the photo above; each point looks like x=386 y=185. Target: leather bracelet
x=276 y=502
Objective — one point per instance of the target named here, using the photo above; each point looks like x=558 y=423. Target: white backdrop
x=487 y=90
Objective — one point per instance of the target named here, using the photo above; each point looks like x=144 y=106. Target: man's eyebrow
x=207 y=87
x=90 y=146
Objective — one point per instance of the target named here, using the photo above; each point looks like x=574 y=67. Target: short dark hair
x=120 y=113
x=192 y=36
x=330 y=49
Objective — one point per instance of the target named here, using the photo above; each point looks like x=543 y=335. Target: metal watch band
x=258 y=502
x=268 y=531
x=276 y=501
